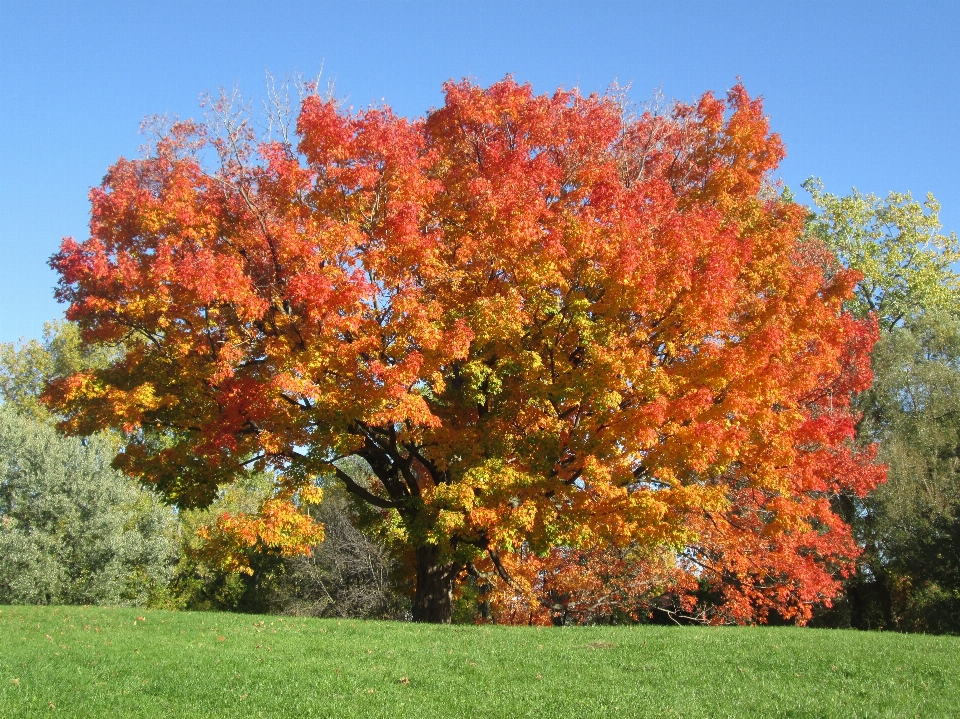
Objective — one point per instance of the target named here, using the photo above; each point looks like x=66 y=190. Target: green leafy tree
x=197 y=581
x=897 y=244
x=25 y=368
x=908 y=577
x=910 y=525
x=73 y=530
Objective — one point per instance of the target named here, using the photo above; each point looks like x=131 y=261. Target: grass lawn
x=96 y=662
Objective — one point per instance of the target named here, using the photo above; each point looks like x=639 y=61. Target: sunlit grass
x=96 y=662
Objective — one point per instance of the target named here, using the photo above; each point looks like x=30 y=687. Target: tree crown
x=536 y=320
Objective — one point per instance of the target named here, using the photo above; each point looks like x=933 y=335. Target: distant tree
x=207 y=582
x=911 y=525
x=25 y=369
x=73 y=530
x=896 y=243
x=907 y=577
x=537 y=320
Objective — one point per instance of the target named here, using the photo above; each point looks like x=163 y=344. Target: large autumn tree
x=521 y=322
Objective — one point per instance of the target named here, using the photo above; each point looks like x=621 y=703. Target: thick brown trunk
x=433 y=602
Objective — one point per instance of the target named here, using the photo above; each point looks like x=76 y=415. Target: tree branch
x=362 y=492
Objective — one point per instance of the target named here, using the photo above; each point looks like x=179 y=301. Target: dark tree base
x=433 y=602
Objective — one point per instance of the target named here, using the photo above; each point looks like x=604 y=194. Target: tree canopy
x=897 y=245
x=532 y=321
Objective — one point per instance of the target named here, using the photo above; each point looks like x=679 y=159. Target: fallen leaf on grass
x=15 y=681
x=404 y=680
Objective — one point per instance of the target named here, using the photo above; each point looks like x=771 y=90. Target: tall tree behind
x=897 y=244
x=909 y=574
x=74 y=530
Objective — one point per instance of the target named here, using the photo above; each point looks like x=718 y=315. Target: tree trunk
x=433 y=602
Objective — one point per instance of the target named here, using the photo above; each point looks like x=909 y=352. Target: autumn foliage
x=550 y=328
x=278 y=525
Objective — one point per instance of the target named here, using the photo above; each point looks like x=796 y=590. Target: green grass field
x=96 y=662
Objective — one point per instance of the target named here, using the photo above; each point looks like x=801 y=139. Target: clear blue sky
x=865 y=94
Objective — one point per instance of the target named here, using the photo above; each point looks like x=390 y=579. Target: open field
x=96 y=662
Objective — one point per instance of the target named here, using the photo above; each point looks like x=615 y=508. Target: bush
x=73 y=530
x=351 y=574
